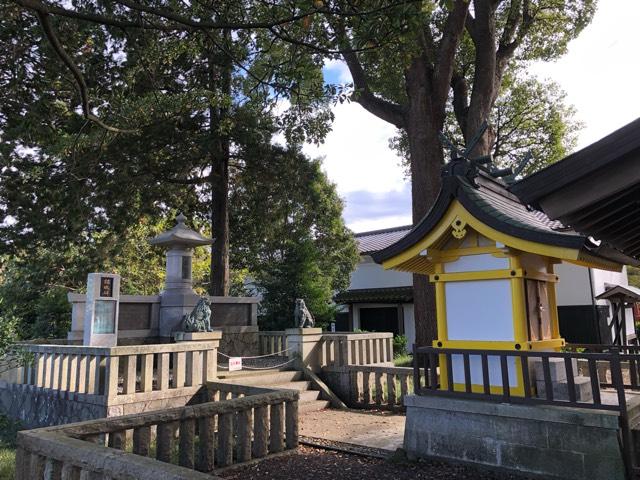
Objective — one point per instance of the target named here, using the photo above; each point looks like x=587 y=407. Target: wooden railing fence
x=429 y=360
x=244 y=423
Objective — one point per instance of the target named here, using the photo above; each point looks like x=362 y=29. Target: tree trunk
x=422 y=128
x=220 y=79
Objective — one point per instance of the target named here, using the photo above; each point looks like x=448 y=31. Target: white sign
x=235 y=363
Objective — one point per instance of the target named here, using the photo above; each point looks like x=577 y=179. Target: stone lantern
x=178 y=297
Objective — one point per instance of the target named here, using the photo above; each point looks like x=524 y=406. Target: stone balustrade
x=73 y=382
x=242 y=423
x=341 y=349
x=370 y=386
x=272 y=342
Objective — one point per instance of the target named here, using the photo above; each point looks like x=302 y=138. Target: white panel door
x=479 y=310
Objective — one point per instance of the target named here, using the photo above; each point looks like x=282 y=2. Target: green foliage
x=403 y=361
x=288 y=233
x=399 y=346
x=633 y=274
x=8 y=433
x=529 y=116
x=34 y=285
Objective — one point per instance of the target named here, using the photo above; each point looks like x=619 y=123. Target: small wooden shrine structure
x=492 y=260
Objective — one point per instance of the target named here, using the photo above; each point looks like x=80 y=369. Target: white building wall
x=369 y=274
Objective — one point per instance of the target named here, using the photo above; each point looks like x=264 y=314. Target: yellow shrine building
x=491 y=259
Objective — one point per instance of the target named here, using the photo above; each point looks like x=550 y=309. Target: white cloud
x=600 y=71
x=357 y=154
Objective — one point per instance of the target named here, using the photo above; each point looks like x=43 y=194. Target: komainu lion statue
x=302 y=315
x=199 y=320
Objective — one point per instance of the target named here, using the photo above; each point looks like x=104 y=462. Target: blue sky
x=599 y=73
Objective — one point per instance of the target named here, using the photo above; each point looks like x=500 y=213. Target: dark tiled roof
x=377 y=295
x=491 y=203
x=369 y=242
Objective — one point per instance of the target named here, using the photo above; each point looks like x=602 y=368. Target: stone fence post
x=305 y=344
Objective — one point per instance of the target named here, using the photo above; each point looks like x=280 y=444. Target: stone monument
x=178 y=298
x=101 y=310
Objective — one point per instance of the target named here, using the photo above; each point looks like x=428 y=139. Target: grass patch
x=8 y=433
x=403 y=361
x=7 y=463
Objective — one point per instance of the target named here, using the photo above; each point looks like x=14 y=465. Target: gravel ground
x=313 y=463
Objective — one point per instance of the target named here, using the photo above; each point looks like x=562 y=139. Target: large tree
x=451 y=53
x=176 y=109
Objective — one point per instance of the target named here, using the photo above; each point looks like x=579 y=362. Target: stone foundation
x=555 y=442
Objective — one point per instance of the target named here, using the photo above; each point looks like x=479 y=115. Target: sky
x=599 y=73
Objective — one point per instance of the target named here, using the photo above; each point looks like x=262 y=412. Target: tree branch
x=52 y=37
x=388 y=111
x=452 y=32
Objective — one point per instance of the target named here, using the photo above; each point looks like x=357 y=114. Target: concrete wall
x=560 y=443
x=37 y=407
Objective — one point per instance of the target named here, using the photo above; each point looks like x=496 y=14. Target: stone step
x=300 y=385
x=314 y=406
x=561 y=389
x=263 y=378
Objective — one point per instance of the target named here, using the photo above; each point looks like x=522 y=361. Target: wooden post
x=118 y=440
x=37 y=466
x=391 y=389
x=142 y=441
x=244 y=435
x=225 y=439
x=187 y=442
x=64 y=372
x=68 y=472
x=111 y=377
x=179 y=368
x=206 y=444
x=276 y=429
x=146 y=373
x=210 y=370
x=82 y=374
x=163 y=371
x=260 y=431
x=379 y=391
x=164 y=441
x=291 y=423
x=130 y=374
x=366 y=388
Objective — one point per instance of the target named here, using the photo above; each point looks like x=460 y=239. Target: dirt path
x=371 y=428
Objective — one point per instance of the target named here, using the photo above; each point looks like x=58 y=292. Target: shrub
x=399 y=346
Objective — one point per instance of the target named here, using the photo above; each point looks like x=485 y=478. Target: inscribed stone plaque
x=104 y=320
x=106 y=286
x=186 y=267
x=134 y=316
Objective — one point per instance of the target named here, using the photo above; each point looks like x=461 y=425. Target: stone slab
x=196 y=336
x=582 y=386
x=540 y=440
x=557 y=369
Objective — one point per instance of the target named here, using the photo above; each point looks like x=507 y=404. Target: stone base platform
x=552 y=442
x=196 y=336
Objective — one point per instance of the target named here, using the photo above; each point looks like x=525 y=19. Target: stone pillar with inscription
x=101 y=310
x=178 y=297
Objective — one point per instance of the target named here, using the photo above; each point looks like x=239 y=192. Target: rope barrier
x=256 y=356
x=244 y=367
